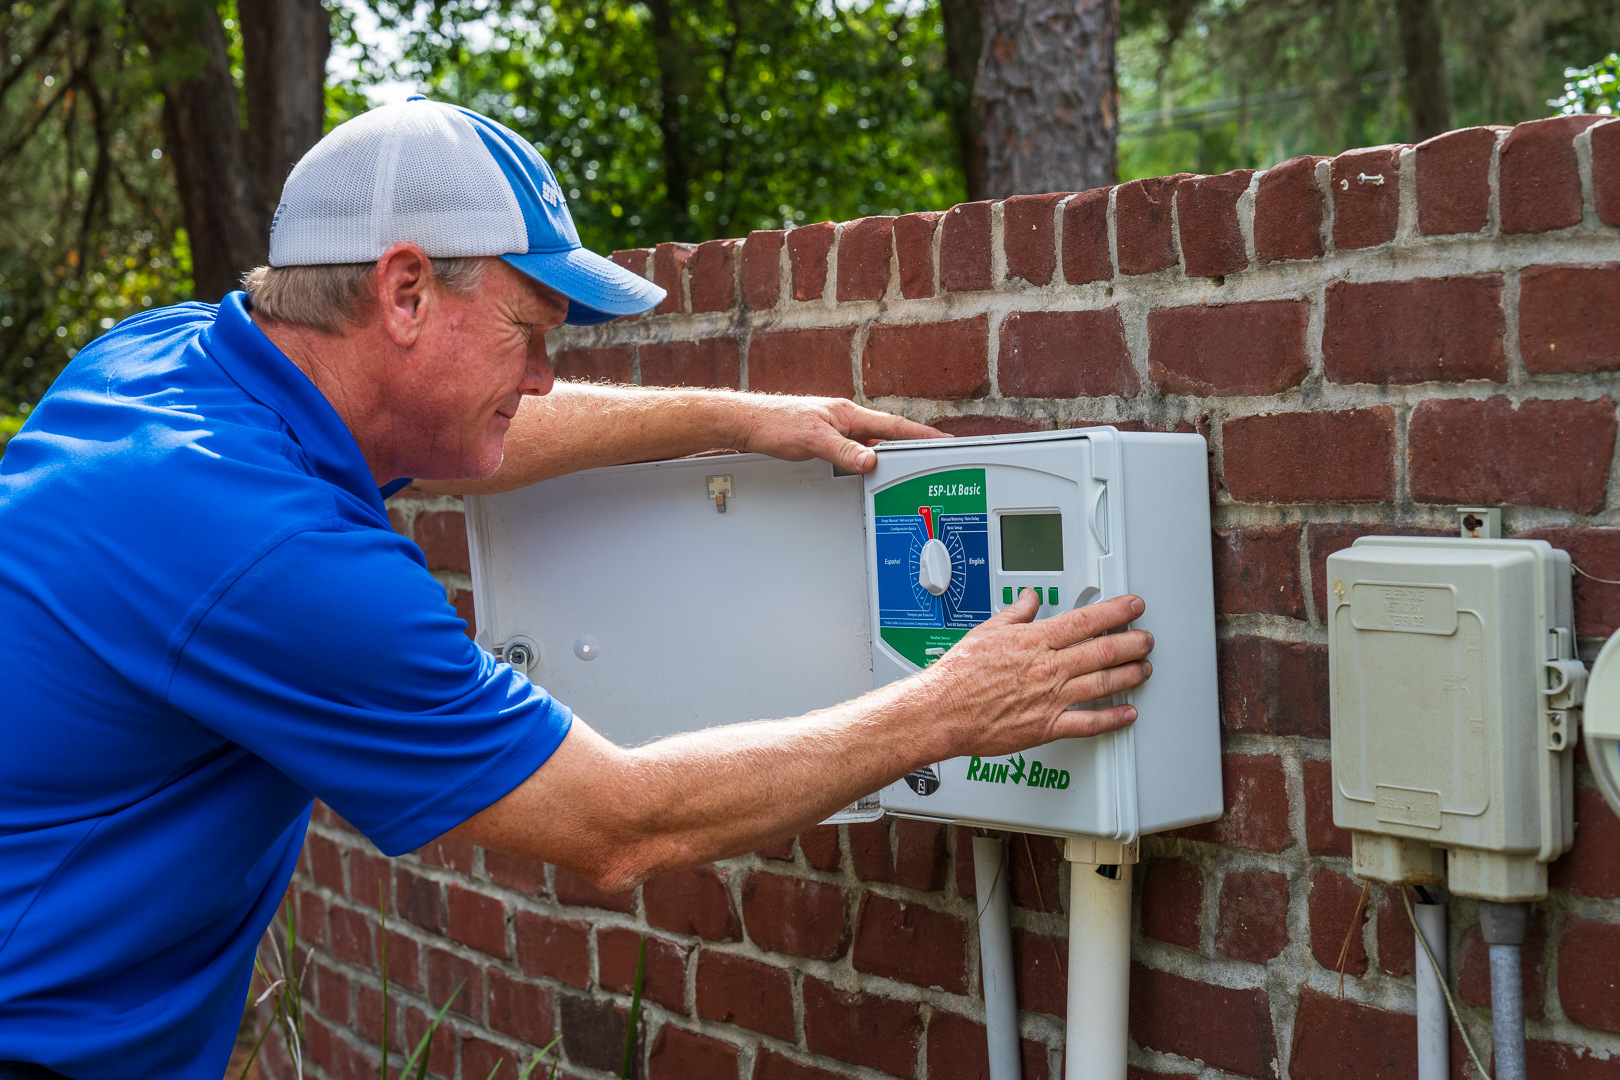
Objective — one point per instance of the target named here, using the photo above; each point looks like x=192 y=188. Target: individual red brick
x=1346 y=456
x=745 y=992
x=1474 y=967
x=914 y=251
x=1567 y=1062
x=1333 y=905
x=1538 y=175
x=920 y=858
x=614 y=364
x=594 y=1032
x=963 y=838
x=519 y=1008
x=669 y=267
x=781 y=850
x=928 y=360
x=1323 y=540
x=480 y=1058
x=516 y=872
x=1029 y=237
x=1142 y=224
x=1206 y=213
x=477 y=921
x=1257 y=572
x=1590 y=868
x=711 y=276
x=1541 y=453
x=1227 y=1029
x=332 y=993
x=554 y=948
x=1253 y=920
x=1335 y=1039
x=971 y=425
x=404 y=961
x=862 y=1029
x=762 y=268
x=441 y=1047
x=450 y=852
x=706 y=362
x=309 y=914
x=635 y=260
x=1256 y=806
x=1273 y=687
x=1228 y=349
x=1365 y=212
x=1397 y=946
x=693 y=901
x=808 y=248
x=1569 y=318
x=682 y=1055
x=1033 y=863
x=371 y=880
x=795 y=916
x=802 y=362
x=325 y=862
x=575 y=891
x=1606 y=171
x=1454 y=181
x=1042 y=979
x=456 y=980
x=663 y=973
x=820 y=847
x=773 y=1066
x=1086 y=257
x=958 y=1050
x=419 y=900
x=1597 y=606
x=1428 y=329
x=911 y=943
x=964 y=248
x=1172 y=900
x=871 y=850
x=1288 y=212
x=1322 y=837
x=865 y=251
x=1066 y=354
x=442 y=536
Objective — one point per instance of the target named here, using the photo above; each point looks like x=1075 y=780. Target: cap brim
x=598 y=290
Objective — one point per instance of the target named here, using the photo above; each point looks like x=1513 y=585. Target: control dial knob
x=934 y=567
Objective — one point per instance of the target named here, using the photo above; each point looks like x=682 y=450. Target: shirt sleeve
x=336 y=658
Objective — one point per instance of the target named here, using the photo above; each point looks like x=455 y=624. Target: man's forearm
x=584 y=426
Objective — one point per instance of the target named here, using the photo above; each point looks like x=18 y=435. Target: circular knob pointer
x=934 y=567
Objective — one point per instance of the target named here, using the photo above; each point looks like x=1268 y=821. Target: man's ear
x=405 y=294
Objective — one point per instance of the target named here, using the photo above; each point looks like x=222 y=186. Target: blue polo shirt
x=205 y=620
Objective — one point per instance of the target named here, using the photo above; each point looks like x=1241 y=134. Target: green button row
x=1007 y=596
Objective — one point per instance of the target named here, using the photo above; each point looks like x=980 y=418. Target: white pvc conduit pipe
x=1098 y=1035
x=1433 y=1024
x=996 y=957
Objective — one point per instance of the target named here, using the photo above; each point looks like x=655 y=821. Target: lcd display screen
x=1032 y=541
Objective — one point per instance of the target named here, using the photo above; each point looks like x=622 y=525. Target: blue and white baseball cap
x=458 y=184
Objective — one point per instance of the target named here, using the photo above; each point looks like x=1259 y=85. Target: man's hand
x=833 y=429
x=1009 y=684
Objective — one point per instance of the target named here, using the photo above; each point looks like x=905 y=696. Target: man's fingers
x=1095 y=685
x=1084 y=723
x=1021 y=610
x=1091 y=620
x=1105 y=651
x=871 y=424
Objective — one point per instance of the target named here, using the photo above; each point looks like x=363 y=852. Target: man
x=207 y=620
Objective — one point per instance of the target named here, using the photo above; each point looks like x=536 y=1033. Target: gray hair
x=329 y=297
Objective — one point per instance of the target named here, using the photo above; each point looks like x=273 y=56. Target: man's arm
x=619 y=816
x=583 y=425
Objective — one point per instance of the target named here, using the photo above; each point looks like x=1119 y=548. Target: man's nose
x=538 y=378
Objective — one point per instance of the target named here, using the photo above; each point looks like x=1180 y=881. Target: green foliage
x=1594 y=89
x=734 y=116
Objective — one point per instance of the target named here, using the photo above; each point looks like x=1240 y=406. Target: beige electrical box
x=1455 y=706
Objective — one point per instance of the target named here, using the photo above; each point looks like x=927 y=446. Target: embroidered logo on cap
x=549 y=192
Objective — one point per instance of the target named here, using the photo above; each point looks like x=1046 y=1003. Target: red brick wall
x=1361 y=354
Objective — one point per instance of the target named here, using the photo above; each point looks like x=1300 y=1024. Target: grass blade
x=544 y=1050
x=418 y=1057
x=635 y=1010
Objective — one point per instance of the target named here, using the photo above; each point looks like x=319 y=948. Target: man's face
x=477 y=357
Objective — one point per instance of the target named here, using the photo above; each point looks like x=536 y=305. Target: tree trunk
x=285 y=44
x=1048 y=106
x=963 y=36
x=1427 y=96
x=674 y=64
x=219 y=195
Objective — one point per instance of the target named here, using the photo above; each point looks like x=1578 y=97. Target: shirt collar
x=250 y=358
